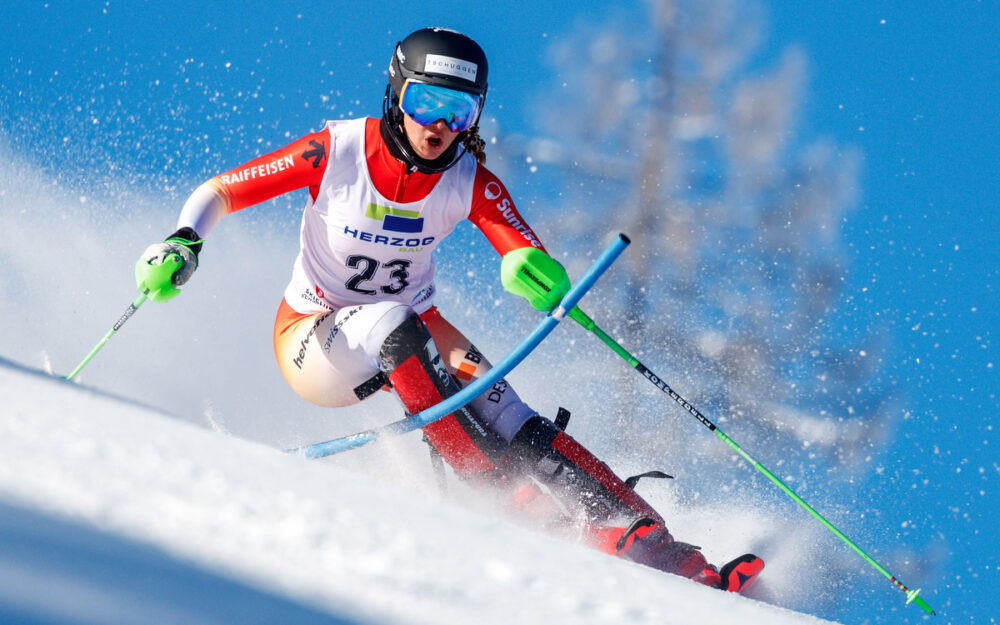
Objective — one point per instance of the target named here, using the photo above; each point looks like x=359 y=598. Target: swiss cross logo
x=492 y=190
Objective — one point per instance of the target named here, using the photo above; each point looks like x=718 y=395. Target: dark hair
x=474 y=144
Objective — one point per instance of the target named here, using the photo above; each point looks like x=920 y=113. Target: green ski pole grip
x=156 y=281
x=534 y=275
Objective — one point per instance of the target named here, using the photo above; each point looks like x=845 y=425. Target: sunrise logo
x=396 y=219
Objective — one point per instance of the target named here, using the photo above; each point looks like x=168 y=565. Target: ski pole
x=134 y=306
x=488 y=379
x=588 y=324
x=160 y=277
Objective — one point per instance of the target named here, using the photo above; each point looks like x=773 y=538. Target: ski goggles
x=428 y=103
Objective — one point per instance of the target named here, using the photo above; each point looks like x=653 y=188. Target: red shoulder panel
x=493 y=211
x=297 y=165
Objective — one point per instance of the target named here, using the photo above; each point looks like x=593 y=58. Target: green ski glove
x=534 y=275
x=167 y=265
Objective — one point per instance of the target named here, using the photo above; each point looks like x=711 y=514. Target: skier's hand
x=534 y=275
x=167 y=265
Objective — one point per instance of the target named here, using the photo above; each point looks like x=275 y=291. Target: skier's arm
x=527 y=270
x=297 y=165
x=494 y=213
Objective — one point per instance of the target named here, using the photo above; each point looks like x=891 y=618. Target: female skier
x=358 y=314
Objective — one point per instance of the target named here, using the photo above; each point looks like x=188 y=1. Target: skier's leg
x=500 y=407
x=575 y=476
x=337 y=358
x=419 y=377
x=616 y=519
x=584 y=484
x=321 y=355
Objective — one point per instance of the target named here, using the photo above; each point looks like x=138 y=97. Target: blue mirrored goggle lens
x=428 y=103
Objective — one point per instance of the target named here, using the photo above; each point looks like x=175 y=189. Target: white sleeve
x=202 y=210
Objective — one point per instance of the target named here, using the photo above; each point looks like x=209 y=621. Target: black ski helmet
x=436 y=56
x=439 y=56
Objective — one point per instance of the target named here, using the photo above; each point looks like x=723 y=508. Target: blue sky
x=917 y=89
x=175 y=94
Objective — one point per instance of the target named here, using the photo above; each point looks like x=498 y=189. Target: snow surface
x=114 y=512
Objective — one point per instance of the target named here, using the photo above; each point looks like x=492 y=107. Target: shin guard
x=584 y=485
x=617 y=519
x=420 y=380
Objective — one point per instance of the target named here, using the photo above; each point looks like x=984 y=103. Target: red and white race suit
x=365 y=266
x=368 y=234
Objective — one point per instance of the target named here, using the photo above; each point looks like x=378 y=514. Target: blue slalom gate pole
x=478 y=387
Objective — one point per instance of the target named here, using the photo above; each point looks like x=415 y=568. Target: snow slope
x=113 y=512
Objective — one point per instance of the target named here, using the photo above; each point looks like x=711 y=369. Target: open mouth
x=434 y=142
